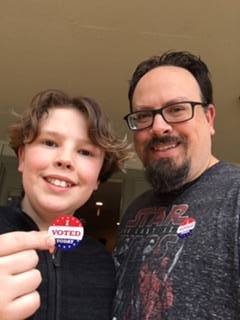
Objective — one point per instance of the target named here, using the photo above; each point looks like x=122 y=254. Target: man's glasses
x=172 y=113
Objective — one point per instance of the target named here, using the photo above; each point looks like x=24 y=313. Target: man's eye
x=176 y=109
x=142 y=116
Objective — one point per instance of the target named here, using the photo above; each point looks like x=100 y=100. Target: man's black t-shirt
x=177 y=256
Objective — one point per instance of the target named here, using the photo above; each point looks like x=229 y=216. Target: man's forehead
x=167 y=82
x=166 y=71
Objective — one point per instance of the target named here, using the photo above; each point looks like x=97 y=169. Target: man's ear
x=21 y=157
x=210 y=115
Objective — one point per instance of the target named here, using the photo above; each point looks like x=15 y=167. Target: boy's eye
x=49 y=143
x=85 y=152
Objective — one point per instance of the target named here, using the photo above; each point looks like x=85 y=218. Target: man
x=178 y=251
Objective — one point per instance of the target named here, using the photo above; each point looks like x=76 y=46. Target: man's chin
x=166 y=175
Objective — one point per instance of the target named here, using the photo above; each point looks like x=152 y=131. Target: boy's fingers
x=19 y=262
x=25 y=282
x=23 y=307
x=13 y=242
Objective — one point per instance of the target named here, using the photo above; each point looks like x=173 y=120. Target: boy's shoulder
x=8 y=219
x=13 y=219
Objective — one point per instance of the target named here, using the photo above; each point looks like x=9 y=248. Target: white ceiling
x=91 y=48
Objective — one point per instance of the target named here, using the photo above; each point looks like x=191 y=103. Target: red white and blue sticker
x=186 y=227
x=67 y=231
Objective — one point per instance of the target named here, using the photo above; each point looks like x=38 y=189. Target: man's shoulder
x=228 y=172
x=223 y=165
x=222 y=171
x=220 y=183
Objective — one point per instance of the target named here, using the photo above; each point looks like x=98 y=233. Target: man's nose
x=160 y=126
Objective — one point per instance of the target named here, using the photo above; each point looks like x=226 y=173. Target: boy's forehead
x=61 y=118
x=64 y=108
x=62 y=114
x=65 y=122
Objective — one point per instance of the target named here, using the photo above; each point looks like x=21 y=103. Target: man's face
x=183 y=149
x=60 y=168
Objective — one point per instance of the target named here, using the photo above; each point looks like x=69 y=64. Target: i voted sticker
x=67 y=231
x=186 y=227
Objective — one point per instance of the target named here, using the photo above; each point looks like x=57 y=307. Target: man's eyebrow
x=176 y=100
x=169 y=102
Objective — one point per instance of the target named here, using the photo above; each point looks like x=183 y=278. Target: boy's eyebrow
x=61 y=136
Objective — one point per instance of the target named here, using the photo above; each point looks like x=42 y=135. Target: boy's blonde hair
x=99 y=130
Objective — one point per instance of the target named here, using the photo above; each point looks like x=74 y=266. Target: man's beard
x=165 y=174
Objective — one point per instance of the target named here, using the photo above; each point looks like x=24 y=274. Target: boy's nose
x=64 y=160
x=64 y=164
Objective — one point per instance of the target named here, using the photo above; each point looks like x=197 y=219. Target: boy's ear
x=97 y=185
x=21 y=157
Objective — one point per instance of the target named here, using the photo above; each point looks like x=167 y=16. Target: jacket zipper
x=56 y=264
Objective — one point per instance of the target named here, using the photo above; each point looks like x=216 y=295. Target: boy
x=65 y=149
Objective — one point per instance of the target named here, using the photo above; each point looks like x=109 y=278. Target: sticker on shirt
x=186 y=227
x=68 y=232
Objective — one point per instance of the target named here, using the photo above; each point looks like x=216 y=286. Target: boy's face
x=60 y=168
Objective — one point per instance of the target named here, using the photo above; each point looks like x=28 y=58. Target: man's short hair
x=182 y=59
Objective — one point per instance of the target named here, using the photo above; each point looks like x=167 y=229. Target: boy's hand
x=19 y=277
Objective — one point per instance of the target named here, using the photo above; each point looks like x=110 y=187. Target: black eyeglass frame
x=160 y=111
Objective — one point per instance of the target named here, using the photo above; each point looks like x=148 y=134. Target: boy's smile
x=61 y=182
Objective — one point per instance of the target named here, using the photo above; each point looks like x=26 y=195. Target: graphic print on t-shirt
x=153 y=248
